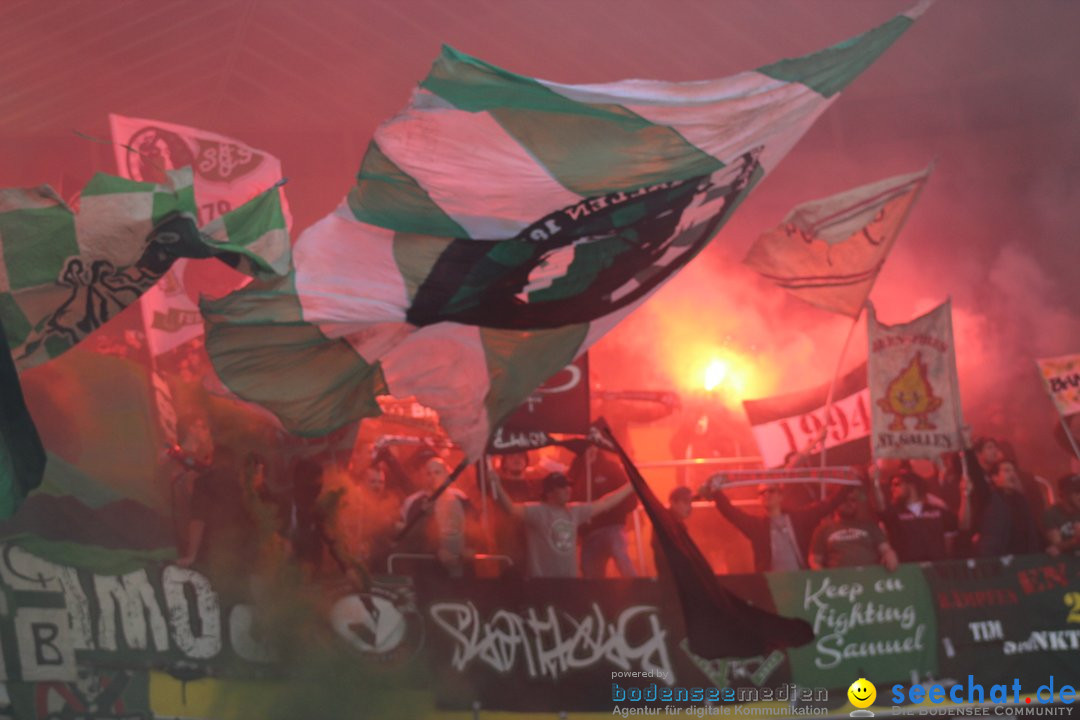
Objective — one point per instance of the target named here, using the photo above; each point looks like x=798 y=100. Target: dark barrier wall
x=561 y=644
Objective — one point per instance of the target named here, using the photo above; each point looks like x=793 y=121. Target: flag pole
x=958 y=406
x=832 y=385
x=1068 y=434
x=434 y=496
x=839 y=364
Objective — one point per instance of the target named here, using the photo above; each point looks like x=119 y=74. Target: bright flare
x=715 y=374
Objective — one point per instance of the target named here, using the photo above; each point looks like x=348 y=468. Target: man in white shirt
x=551 y=525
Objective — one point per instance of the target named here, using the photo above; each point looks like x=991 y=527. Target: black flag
x=22 y=457
x=718 y=623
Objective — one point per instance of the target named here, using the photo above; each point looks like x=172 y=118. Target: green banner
x=867 y=623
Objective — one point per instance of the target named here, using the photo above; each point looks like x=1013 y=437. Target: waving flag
x=829 y=252
x=792 y=422
x=63 y=273
x=227 y=174
x=103 y=499
x=1061 y=376
x=719 y=623
x=500 y=225
x=914 y=394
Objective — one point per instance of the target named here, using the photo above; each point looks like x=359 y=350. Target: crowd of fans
x=570 y=515
x=975 y=505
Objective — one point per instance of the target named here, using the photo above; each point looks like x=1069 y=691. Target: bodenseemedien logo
x=862 y=694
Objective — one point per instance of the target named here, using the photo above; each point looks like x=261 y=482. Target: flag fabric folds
x=829 y=252
x=64 y=273
x=792 y=422
x=1061 y=377
x=719 y=624
x=22 y=456
x=914 y=394
x=227 y=173
x=502 y=224
x=103 y=501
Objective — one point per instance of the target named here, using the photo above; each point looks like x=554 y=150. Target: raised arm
x=826 y=507
x=741 y=520
x=874 y=491
x=503 y=500
x=607 y=502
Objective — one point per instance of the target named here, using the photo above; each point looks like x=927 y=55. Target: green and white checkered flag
x=502 y=224
x=63 y=273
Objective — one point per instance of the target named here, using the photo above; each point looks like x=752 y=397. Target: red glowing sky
x=987 y=88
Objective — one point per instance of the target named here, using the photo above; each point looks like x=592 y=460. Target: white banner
x=914 y=394
x=793 y=422
x=849 y=420
x=1061 y=377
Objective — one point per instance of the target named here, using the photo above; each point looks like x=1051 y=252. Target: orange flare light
x=726 y=374
x=715 y=374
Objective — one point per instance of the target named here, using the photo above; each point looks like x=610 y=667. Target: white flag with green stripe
x=65 y=273
x=228 y=172
x=500 y=225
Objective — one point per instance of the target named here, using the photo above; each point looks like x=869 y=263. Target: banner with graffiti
x=75 y=641
x=558 y=645
x=914 y=395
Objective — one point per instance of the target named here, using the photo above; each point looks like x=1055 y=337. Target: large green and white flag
x=501 y=224
x=65 y=273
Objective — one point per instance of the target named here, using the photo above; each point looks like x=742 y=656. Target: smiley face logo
x=862 y=693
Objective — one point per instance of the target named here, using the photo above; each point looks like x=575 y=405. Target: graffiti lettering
x=208 y=643
x=133 y=597
x=525 y=440
x=44 y=645
x=723 y=672
x=550 y=645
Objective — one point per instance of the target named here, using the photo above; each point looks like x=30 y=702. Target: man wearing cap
x=551 y=525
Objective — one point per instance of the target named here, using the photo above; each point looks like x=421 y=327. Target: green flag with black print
x=66 y=272
x=500 y=225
